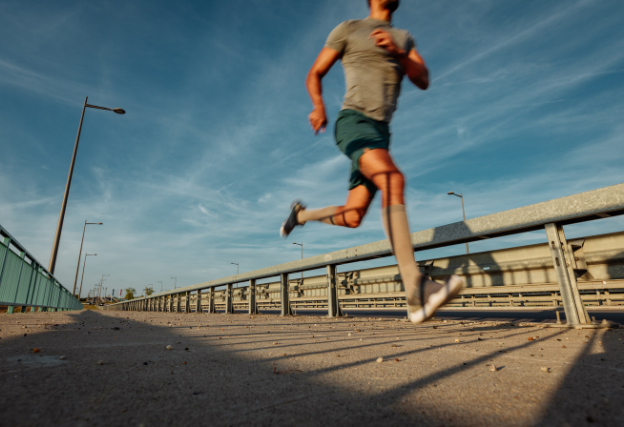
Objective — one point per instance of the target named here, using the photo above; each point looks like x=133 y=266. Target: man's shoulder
x=351 y=24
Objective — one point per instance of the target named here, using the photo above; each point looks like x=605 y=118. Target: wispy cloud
x=215 y=145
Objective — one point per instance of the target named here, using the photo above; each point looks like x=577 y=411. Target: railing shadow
x=222 y=384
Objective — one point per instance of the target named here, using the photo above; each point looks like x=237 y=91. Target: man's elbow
x=421 y=82
x=312 y=77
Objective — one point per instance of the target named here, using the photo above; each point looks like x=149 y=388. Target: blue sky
x=526 y=105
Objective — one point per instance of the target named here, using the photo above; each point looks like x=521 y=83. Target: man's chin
x=391 y=5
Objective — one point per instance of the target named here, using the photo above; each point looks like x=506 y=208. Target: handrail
x=595 y=204
x=64 y=298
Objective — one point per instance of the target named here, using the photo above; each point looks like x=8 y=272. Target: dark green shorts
x=356 y=133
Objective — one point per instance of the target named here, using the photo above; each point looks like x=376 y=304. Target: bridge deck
x=267 y=370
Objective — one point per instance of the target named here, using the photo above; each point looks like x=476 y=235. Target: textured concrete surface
x=267 y=370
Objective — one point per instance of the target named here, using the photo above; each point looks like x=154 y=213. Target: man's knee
x=354 y=219
x=392 y=188
x=350 y=218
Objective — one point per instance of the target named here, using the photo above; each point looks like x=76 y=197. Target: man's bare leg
x=323 y=215
x=350 y=215
x=423 y=296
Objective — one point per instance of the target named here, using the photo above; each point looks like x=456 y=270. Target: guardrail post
x=285 y=297
x=228 y=299
x=560 y=251
x=187 y=302
x=31 y=285
x=22 y=255
x=198 y=303
x=211 y=302
x=6 y=242
x=333 y=304
x=253 y=308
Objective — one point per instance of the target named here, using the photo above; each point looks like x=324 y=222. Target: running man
x=375 y=57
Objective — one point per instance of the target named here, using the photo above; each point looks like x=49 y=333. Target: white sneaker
x=433 y=295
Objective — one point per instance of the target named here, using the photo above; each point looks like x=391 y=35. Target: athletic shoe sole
x=436 y=300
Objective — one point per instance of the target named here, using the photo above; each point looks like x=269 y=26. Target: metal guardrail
x=24 y=282
x=550 y=215
x=519 y=276
x=515 y=277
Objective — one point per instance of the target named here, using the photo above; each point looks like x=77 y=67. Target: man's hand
x=411 y=61
x=318 y=120
x=384 y=39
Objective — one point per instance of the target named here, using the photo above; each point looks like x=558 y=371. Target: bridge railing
x=24 y=282
x=550 y=216
x=512 y=277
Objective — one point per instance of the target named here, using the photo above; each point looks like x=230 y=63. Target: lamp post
x=80 y=253
x=236 y=264
x=300 y=244
x=84 y=265
x=175 y=285
x=461 y=196
x=59 y=226
x=160 y=284
x=102 y=284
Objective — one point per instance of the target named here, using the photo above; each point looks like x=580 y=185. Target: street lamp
x=59 y=226
x=461 y=196
x=102 y=284
x=176 y=282
x=236 y=264
x=300 y=244
x=84 y=265
x=80 y=253
x=160 y=285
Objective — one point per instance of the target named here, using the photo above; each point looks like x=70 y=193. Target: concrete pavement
x=303 y=370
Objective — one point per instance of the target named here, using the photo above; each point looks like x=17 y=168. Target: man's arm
x=411 y=61
x=416 y=70
x=324 y=61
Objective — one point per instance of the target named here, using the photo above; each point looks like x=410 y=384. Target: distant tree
x=130 y=293
x=148 y=290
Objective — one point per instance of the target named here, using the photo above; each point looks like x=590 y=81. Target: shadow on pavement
x=593 y=390
x=210 y=379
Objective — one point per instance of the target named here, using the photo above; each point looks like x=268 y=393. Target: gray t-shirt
x=373 y=76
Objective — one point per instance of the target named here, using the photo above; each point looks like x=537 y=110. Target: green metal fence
x=24 y=282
